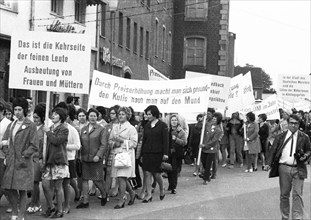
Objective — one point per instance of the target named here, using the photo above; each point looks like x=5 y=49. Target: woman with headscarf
x=20 y=142
x=123 y=137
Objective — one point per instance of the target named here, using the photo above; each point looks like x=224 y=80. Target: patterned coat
x=19 y=174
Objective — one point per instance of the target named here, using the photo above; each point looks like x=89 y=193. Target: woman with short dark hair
x=93 y=145
x=19 y=143
x=210 y=146
x=263 y=136
x=56 y=163
x=154 y=150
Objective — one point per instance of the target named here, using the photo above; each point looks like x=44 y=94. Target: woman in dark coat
x=21 y=142
x=263 y=136
x=56 y=167
x=154 y=150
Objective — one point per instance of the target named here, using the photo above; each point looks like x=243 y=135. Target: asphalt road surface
x=233 y=195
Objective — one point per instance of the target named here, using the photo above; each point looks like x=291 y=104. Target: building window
x=80 y=9
x=169 y=47
x=135 y=38
x=163 y=42
x=141 y=40
x=147 y=45
x=57 y=7
x=128 y=33
x=196 y=9
x=195 y=49
x=103 y=23
x=156 y=36
x=120 y=28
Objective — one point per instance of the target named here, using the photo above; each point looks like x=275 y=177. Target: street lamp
x=113 y=5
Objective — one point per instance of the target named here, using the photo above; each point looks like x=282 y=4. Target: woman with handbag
x=177 y=141
x=154 y=150
x=123 y=138
x=252 y=148
x=19 y=143
x=93 y=145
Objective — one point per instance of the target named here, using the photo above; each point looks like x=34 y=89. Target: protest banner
x=155 y=74
x=299 y=104
x=291 y=87
x=240 y=93
x=219 y=89
x=180 y=95
x=268 y=106
x=50 y=61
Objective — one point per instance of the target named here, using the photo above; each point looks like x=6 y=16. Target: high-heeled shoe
x=103 y=201
x=147 y=200
x=119 y=206
x=263 y=167
x=131 y=202
x=162 y=197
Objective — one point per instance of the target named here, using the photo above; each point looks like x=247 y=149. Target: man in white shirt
x=290 y=152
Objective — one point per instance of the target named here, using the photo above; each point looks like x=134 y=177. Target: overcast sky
x=273 y=35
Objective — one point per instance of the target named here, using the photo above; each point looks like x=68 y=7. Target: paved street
x=233 y=195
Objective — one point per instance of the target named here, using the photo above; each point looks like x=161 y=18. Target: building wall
x=210 y=29
x=133 y=62
x=20 y=19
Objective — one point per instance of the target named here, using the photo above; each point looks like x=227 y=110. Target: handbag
x=166 y=167
x=123 y=159
x=274 y=171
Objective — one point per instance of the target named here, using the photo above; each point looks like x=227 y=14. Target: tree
x=260 y=78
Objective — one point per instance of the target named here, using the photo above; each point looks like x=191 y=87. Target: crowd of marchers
x=83 y=150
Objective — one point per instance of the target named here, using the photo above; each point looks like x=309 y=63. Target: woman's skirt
x=152 y=162
x=92 y=170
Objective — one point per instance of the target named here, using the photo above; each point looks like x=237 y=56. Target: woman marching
x=20 y=142
x=177 y=141
x=124 y=138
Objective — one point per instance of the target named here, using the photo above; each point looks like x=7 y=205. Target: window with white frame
x=9 y=4
x=195 y=50
x=80 y=10
x=196 y=9
x=169 y=47
x=135 y=39
x=57 y=7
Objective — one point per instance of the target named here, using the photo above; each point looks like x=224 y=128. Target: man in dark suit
x=290 y=152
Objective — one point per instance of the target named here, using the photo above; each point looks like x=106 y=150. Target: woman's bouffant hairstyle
x=40 y=111
x=61 y=112
x=22 y=102
x=92 y=110
x=101 y=110
x=218 y=117
x=81 y=110
x=126 y=110
x=251 y=116
x=174 y=116
x=153 y=110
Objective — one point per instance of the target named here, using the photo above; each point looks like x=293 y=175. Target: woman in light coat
x=253 y=143
x=122 y=137
x=20 y=142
